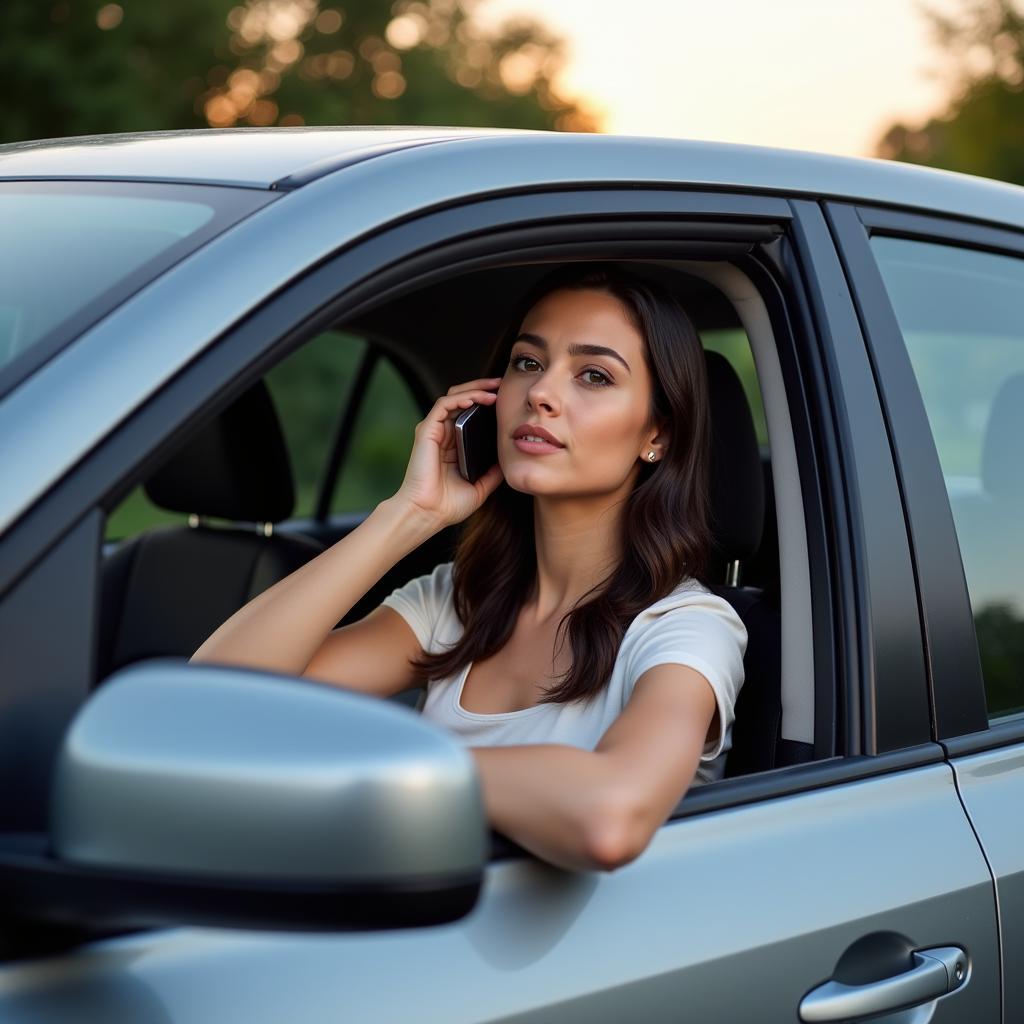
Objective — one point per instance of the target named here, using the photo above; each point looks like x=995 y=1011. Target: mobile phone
x=476 y=441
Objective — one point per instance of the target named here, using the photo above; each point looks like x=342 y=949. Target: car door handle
x=935 y=973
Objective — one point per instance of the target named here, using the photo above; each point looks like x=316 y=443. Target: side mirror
x=210 y=795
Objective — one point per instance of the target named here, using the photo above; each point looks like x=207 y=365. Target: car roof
x=248 y=157
x=287 y=158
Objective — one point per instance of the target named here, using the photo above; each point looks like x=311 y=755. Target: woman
x=570 y=645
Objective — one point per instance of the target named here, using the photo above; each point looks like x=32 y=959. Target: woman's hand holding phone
x=433 y=485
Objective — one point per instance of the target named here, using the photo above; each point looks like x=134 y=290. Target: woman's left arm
x=597 y=810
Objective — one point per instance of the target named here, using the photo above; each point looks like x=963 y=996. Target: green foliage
x=80 y=68
x=982 y=130
x=71 y=77
x=1001 y=642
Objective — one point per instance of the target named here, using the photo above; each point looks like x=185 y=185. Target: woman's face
x=576 y=371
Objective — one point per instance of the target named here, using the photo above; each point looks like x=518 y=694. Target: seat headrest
x=1001 y=474
x=236 y=467
x=737 y=478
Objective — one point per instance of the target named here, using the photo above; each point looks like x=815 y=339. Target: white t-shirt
x=691 y=626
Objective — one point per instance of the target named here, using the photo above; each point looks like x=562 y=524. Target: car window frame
x=363 y=275
x=893 y=711
x=957 y=685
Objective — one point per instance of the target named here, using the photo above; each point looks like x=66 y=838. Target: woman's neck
x=578 y=544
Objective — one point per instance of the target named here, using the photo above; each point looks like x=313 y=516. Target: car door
x=942 y=305
x=763 y=893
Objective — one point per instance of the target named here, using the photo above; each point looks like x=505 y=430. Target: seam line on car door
x=995 y=886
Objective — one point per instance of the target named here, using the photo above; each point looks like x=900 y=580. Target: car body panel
x=728 y=916
x=509 y=158
x=992 y=787
x=243 y=157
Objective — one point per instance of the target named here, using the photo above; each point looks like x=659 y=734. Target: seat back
x=165 y=591
x=738 y=518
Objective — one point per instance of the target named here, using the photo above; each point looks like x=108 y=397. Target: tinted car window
x=71 y=251
x=959 y=311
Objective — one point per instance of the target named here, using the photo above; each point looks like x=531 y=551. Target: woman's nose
x=542 y=394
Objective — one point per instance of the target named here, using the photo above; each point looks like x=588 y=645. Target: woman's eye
x=591 y=377
x=597 y=378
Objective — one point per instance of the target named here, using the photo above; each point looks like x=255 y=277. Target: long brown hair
x=665 y=529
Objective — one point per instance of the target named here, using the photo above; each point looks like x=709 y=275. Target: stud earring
x=650 y=456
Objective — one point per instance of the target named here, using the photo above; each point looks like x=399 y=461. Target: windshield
x=71 y=251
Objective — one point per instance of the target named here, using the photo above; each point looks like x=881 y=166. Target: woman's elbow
x=615 y=833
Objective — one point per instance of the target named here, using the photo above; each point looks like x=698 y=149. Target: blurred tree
x=982 y=129
x=79 y=67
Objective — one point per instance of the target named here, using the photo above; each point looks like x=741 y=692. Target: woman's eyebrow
x=575 y=350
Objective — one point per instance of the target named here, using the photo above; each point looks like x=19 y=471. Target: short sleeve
x=703 y=632
x=421 y=600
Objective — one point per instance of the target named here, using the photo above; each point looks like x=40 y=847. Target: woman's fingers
x=475 y=385
x=447 y=405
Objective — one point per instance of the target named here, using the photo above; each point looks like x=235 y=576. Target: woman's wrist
x=406 y=523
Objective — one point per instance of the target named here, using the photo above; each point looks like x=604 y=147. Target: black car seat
x=738 y=521
x=165 y=591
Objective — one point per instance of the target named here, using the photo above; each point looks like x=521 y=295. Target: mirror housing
x=207 y=794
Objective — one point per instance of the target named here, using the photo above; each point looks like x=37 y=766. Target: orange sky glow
x=800 y=74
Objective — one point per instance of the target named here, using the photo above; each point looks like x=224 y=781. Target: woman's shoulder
x=435 y=585
x=428 y=591
x=425 y=602
x=688 y=593
x=689 y=596
x=689 y=626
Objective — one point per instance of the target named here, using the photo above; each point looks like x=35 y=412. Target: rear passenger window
x=960 y=314
x=347 y=417
x=381 y=442
x=311 y=390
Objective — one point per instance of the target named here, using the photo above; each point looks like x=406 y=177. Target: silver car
x=213 y=346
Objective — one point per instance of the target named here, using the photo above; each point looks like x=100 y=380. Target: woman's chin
x=526 y=480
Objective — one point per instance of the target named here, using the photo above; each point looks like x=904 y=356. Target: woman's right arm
x=288 y=628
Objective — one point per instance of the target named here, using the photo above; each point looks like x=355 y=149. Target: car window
x=311 y=390
x=70 y=251
x=316 y=390
x=381 y=442
x=959 y=312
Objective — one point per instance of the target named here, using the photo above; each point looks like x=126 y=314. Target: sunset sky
x=829 y=75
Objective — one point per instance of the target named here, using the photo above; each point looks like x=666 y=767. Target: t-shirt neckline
x=477 y=716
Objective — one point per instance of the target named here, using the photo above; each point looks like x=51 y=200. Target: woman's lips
x=536 y=447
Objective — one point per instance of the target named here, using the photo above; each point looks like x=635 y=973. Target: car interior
x=226 y=523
